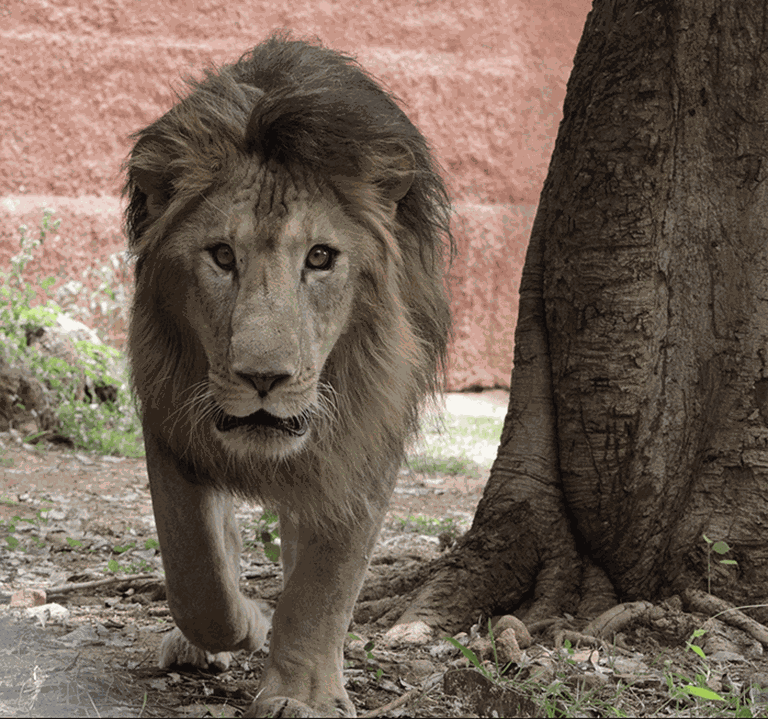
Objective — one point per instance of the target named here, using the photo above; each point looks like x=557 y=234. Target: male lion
x=289 y=317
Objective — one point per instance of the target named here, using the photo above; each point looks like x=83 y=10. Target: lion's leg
x=289 y=546
x=325 y=573
x=200 y=545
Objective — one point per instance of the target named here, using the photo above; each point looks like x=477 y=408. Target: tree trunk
x=638 y=416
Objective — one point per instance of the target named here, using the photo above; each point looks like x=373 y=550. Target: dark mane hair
x=292 y=101
x=299 y=105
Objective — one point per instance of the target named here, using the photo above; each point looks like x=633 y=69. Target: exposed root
x=602 y=629
x=698 y=601
x=615 y=619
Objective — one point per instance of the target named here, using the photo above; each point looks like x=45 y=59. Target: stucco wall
x=484 y=80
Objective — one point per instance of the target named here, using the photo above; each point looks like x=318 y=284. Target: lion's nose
x=264 y=383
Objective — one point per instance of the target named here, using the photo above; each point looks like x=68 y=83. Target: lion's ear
x=156 y=187
x=148 y=169
x=400 y=172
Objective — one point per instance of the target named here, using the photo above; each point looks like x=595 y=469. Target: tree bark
x=638 y=416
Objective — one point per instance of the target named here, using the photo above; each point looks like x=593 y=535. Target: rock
x=24 y=400
x=417 y=632
x=28 y=598
x=59 y=341
x=507 y=647
x=49 y=613
x=509 y=621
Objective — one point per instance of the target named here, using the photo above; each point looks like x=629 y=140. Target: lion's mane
x=303 y=106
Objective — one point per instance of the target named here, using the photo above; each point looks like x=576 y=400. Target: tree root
x=601 y=630
x=698 y=601
x=615 y=619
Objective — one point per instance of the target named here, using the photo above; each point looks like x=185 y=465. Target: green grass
x=458 y=445
x=565 y=693
x=429 y=525
x=103 y=427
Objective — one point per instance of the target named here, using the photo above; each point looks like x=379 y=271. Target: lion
x=290 y=231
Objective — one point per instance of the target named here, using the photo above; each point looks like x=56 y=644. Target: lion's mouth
x=297 y=426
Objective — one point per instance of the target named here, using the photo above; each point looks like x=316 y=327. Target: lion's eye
x=321 y=257
x=223 y=256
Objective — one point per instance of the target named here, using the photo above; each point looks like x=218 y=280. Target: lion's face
x=270 y=276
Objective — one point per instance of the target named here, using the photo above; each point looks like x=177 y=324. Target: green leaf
x=728 y=561
x=706 y=539
x=467 y=652
x=113 y=565
x=697 y=650
x=74 y=542
x=721 y=547
x=272 y=551
x=703 y=693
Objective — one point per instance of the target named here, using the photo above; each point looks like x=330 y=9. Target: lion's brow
x=214 y=205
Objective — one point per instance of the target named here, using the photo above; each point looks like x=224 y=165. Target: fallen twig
x=74 y=586
x=404 y=699
x=412 y=694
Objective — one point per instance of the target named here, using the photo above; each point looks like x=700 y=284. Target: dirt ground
x=91 y=650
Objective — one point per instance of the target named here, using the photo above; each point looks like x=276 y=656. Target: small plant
x=685 y=690
x=720 y=548
x=370 y=661
x=267 y=531
x=17 y=313
x=9 y=527
x=470 y=656
x=107 y=427
x=429 y=525
x=136 y=567
x=121 y=549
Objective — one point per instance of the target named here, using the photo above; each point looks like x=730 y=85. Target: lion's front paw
x=286 y=707
x=176 y=650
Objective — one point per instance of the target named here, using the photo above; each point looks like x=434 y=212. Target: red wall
x=483 y=79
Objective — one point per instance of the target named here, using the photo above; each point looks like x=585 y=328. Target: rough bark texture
x=645 y=301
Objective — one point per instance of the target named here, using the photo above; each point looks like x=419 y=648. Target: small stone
x=417 y=632
x=509 y=621
x=508 y=648
x=49 y=613
x=28 y=598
